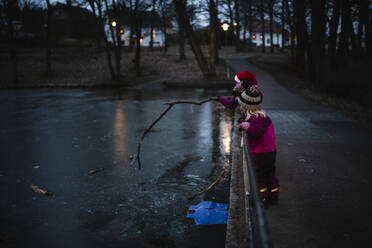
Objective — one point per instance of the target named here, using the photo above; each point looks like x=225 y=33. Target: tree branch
x=170 y=105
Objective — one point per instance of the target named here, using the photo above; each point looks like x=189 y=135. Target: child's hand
x=244 y=125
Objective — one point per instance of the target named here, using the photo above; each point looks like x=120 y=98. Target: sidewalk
x=323 y=168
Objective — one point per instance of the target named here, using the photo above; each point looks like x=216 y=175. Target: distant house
x=124 y=22
x=257 y=37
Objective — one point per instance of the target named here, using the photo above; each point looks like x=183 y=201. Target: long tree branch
x=214 y=183
x=171 y=104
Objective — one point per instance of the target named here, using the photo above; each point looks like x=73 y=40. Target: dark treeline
x=332 y=40
x=325 y=38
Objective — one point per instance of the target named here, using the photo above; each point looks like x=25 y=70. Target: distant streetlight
x=121 y=31
x=113 y=23
x=225 y=26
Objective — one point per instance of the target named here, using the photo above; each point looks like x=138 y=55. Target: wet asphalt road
x=52 y=137
x=324 y=169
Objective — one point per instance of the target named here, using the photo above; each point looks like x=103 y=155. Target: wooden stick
x=194 y=102
x=171 y=104
x=95 y=171
x=40 y=191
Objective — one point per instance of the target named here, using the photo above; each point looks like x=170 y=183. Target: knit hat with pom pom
x=251 y=98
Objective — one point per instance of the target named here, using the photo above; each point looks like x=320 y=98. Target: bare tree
x=271 y=10
x=262 y=16
x=368 y=29
x=181 y=7
x=317 y=40
x=237 y=25
x=181 y=38
x=9 y=8
x=97 y=7
x=114 y=16
x=291 y=24
x=164 y=10
x=333 y=25
x=213 y=31
x=282 y=19
x=152 y=25
x=299 y=9
x=343 y=50
x=48 y=50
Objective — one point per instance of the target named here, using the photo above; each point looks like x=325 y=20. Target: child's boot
x=274 y=189
x=264 y=191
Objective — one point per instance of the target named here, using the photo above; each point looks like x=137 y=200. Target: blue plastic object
x=209 y=205
x=209 y=213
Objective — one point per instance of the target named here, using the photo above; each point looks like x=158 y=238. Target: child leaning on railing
x=260 y=133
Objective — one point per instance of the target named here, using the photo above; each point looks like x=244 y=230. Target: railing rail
x=256 y=219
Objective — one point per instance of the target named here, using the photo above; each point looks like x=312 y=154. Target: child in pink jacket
x=260 y=133
x=261 y=140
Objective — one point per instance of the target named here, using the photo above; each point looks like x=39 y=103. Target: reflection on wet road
x=52 y=138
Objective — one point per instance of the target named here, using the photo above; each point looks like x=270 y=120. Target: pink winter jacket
x=260 y=134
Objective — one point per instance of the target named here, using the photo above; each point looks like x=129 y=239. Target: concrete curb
x=236 y=231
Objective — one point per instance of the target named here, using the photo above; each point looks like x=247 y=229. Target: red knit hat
x=249 y=76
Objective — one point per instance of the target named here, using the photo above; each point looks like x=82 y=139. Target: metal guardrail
x=255 y=213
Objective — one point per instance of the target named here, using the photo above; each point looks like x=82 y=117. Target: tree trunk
x=343 y=50
x=137 y=60
x=181 y=11
x=48 y=61
x=353 y=39
x=317 y=40
x=115 y=35
x=231 y=17
x=131 y=32
x=118 y=52
x=271 y=25
x=237 y=27
x=263 y=25
x=152 y=25
x=107 y=44
x=250 y=21
x=245 y=29
x=333 y=26
x=152 y=36
x=300 y=32
x=212 y=40
x=8 y=7
x=292 y=33
x=369 y=35
x=216 y=31
x=181 y=38
x=165 y=37
x=284 y=3
x=181 y=35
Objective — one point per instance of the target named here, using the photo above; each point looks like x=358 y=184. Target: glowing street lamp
x=225 y=26
x=113 y=23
